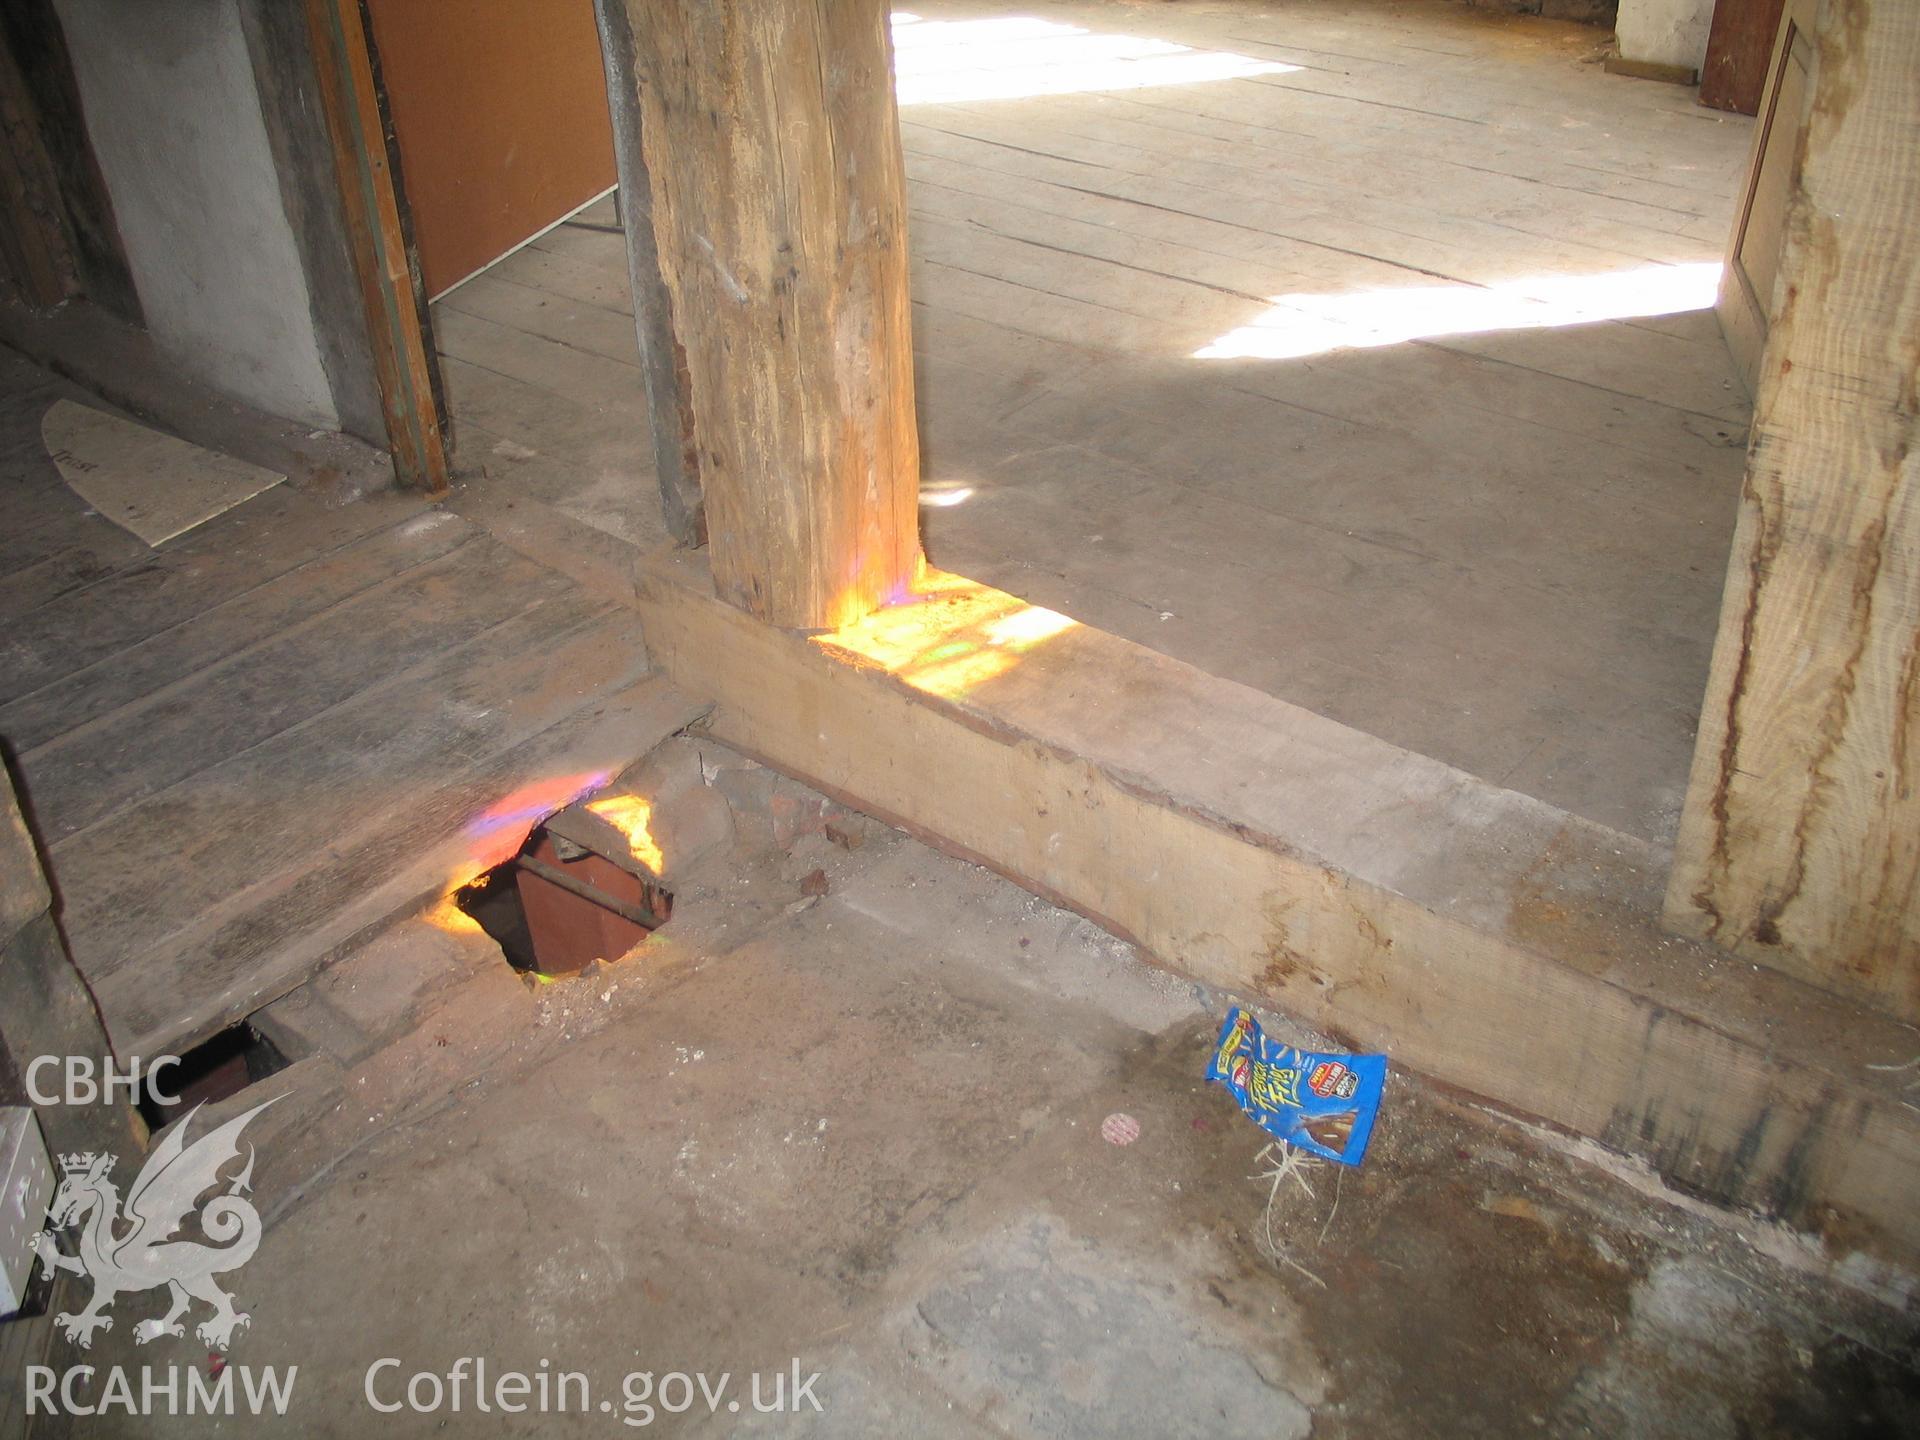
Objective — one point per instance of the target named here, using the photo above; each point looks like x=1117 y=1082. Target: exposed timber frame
x=1480 y=936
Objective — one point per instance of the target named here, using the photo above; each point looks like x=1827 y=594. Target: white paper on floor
x=152 y=484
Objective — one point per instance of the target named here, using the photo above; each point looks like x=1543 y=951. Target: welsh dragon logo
x=136 y=1249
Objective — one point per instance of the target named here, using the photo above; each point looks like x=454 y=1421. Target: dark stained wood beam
x=33 y=245
x=662 y=361
x=397 y=325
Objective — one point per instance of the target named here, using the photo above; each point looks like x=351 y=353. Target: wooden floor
x=1502 y=548
x=270 y=735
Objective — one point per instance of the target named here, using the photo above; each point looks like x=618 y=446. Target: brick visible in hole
x=225 y=1065
x=556 y=907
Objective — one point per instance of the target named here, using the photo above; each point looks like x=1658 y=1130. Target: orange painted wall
x=500 y=110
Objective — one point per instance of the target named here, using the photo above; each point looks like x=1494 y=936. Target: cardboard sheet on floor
x=152 y=484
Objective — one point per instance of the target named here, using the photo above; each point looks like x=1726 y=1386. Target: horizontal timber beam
x=1479 y=936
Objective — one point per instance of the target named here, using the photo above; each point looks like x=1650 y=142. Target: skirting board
x=1479 y=936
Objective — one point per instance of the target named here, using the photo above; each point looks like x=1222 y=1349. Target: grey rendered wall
x=174 y=112
x=1665 y=32
x=296 y=124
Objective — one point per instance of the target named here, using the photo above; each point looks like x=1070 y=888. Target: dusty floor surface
x=1318 y=343
x=863 y=1134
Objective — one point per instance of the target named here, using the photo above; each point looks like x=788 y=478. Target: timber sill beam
x=1477 y=935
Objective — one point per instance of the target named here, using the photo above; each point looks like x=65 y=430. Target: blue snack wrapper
x=1324 y=1104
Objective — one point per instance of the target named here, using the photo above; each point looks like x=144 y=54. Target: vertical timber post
x=760 y=139
x=662 y=362
x=33 y=245
x=1799 y=843
x=398 y=330
x=45 y=1006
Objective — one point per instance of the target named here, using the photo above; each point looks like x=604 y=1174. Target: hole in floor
x=557 y=906
x=214 y=1069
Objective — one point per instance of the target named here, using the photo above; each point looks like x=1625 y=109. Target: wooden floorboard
x=101 y=551
x=37 y=526
x=272 y=936
x=172 y=658
x=552 y=446
x=579 y=325
x=89 y=776
x=601 y=282
x=159 y=866
x=1501 y=549
x=1396 y=197
x=561 y=369
x=250 y=546
x=251 y=744
x=1183 y=314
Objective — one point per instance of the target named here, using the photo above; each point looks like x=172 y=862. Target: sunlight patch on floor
x=940 y=62
x=1313 y=324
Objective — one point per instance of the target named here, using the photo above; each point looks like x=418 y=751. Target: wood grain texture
x=273 y=936
x=166 y=864
x=662 y=360
x=779 y=212
x=38 y=44
x=34 y=252
x=23 y=884
x=1376 y=534
x=44 y=1007
x=1800 y=842
x=95 y=770
x=178 y=656
x=152 y=591
x=397 y=326
x=1476 y=935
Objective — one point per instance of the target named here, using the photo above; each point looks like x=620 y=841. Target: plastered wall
x=1664 y=32
x=174 y=114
